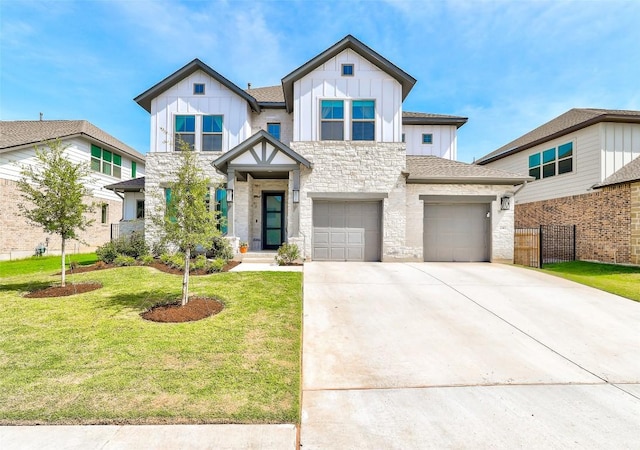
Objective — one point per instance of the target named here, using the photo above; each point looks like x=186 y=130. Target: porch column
x=231 y=178
x=295 y=210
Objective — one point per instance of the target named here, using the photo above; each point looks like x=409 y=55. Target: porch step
x=258 y=257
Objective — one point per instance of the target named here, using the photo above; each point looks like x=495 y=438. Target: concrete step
x=258 y=257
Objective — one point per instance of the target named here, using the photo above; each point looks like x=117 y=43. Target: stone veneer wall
x=501 y=221
x=603 y=221
x=18 y=239
x=161 y=169
x=356 y=167
x=635 y=223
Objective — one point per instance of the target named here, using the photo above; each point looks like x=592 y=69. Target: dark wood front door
x=272 y=220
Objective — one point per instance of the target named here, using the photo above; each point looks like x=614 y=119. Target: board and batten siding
x=79 y=152
x=327 y=83
x=586 y=167
x=621 y=145
x=217 y=100
x=444 y=140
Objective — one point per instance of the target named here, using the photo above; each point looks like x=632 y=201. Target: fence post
x=574 y=242
x=540 y=247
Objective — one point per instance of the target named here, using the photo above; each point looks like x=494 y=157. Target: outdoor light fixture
x=229 y=195
x=505 y=203
x=296 y=196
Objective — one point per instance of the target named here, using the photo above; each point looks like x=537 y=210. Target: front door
x=272 y=220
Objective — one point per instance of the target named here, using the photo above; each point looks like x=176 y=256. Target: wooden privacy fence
x=546 y=244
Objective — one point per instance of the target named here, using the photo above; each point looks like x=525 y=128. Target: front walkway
x=434 y=355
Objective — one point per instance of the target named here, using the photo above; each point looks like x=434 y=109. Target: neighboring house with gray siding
x=109 y=160
x=586 y=169
x=330 y=161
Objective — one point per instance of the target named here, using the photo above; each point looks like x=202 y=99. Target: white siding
x=586 y=167
x=129 y=206
x=368 y=83
x=444 y=140
x=621 y=145
x=79 y=151
x=179 y=99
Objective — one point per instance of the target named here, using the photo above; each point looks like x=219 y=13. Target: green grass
x=620 y=280
x=91 y=358
x=42 y=264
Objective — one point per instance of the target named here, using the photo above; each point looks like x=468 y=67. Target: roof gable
x=348 y=42
x=147 y=96
x=626 y=174
x=573 y=120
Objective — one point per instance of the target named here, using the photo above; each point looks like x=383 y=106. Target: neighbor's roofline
x=469 y=180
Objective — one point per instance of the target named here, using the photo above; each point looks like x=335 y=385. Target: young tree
x=54 y=189
x=187 y=222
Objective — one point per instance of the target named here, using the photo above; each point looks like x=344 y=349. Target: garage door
x=458 y=232
x=346 y=231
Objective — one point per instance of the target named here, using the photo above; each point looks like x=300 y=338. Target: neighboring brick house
x=586 y=167
x=109 y=159
x=328 y=160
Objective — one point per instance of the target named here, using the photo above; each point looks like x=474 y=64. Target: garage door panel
x=346 y=231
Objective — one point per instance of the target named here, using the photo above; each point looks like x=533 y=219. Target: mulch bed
x=156 y=265
x=59 y=291
x=198 y=308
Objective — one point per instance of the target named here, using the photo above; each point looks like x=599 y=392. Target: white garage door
x=346 y=230
x=456 y=232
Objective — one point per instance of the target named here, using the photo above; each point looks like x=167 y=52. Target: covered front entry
x=457 y=232
x=347 y=230
x=273 y=212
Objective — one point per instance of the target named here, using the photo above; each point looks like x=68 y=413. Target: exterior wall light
x=296 y=196
x=229 y=195
x=505 y=203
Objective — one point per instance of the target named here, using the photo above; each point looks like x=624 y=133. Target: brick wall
x=635 y=223
x=18 y=239
x=602 y=219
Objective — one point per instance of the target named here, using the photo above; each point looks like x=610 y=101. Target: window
x=403 y=137
x=133 y=169
x=332 y=122
x=362 y=120
x=222 y=209
x=106 y=162
x=274 y=130
x=185 y=131
x=198 y=88
x=139 y=209
x=427 y=138
x=104 y=213
x=347 y=70
x=211 y=133
x=551 y=162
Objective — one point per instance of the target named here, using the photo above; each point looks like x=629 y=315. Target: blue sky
x=508 y=66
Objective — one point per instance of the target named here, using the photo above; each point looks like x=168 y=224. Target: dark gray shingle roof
x=134 y=185
x=19 y=133
x=572 y=120
x=630 y=172
x=433 y=169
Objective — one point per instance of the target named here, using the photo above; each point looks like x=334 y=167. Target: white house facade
x=328 y=160
x=109 y=160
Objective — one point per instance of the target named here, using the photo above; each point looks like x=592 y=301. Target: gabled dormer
x=348 y=92
x=199 y=106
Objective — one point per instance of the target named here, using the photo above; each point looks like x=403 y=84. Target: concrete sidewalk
x=157 y=437
x=432 y=355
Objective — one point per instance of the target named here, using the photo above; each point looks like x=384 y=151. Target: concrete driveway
x=439 y=355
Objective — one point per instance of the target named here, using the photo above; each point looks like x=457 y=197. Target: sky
x=509 y=66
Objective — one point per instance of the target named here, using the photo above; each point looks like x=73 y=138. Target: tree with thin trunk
x=188 y=223
x=55 y=189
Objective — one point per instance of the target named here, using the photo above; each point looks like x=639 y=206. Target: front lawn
x=44 y=264
x=619 y=280
x=91 y=358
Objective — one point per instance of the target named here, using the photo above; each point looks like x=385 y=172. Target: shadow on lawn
x=29 y=286
x=141 y=301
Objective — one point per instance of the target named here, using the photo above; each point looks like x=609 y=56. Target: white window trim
x=197 y=145
x=345 y=119
x=375 y=117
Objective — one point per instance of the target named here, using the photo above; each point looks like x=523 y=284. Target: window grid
x=427 y=138
x=106 y=162
x=185 y=131
x=551 y=162
x=212 y=133
x=363 y=120
x=332 y=120
x=274 y=130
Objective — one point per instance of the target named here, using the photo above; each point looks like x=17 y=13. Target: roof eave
x=468 y=180
x=457 y=121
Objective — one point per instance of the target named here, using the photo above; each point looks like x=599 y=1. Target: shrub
x=199 y=263
x=220 y=248
x=216 y=265
x=147 y=260
x=287 y=254
x=107 y=252
x=124 y=260
x=158 y=249
x=176 y=261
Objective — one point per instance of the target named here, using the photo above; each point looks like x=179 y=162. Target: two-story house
x=330 y=161
x=586 y=169
x=109 y=160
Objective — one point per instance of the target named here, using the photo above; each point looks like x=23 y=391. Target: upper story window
x=363 y=120
x=427 y=138
x=106 y=162
x=332 y=120
x=211 y=133
x=185 y=131
x=133 y=169
x=198 y=88
x=347 y=70
x=552 y=162
x=274 y=130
